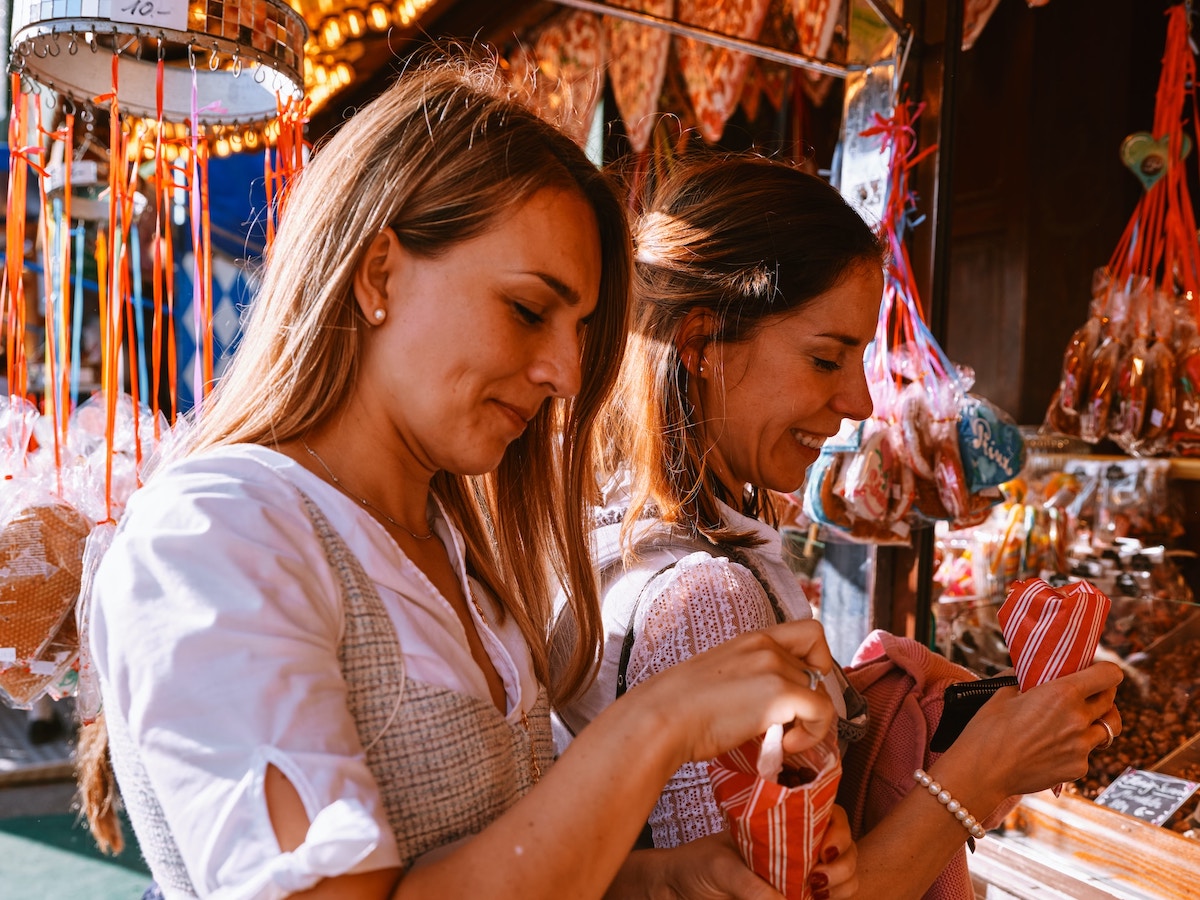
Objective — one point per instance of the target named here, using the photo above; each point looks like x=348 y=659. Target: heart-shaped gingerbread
x=1147 y=158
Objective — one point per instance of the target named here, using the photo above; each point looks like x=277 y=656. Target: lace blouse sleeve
x=701 y=602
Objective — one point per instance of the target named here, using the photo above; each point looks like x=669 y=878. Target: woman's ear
x=372 y=275
x=695 y=331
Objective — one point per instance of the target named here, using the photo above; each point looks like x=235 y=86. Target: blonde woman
x=322 y=634
x=756 y=294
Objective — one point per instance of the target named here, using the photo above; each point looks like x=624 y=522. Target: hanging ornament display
x=116 y=111
x=931 y=450
x=1129 y=373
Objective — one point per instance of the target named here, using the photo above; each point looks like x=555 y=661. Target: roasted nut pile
x=1158 y=714
x=1135 y=623
x=1184 y=820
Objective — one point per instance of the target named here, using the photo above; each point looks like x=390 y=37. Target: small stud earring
x=379 y=314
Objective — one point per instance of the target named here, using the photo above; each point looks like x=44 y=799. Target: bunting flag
x=713 y=75
x=637 y=64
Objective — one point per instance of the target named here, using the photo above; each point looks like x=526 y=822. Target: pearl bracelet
x=943 y=797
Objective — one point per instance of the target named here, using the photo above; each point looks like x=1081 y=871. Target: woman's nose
x=558 y=365
x=854 y=401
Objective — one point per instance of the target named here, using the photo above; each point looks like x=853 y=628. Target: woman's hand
x=835 y=877
x=735 y=691
x=708 y=868
x=1046 y=732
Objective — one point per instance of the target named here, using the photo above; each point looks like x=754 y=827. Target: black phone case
x=960 y=702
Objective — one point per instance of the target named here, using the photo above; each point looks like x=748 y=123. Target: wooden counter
x=1068 y=847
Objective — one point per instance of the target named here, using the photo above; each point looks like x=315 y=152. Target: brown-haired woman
x=322 y=634
x=757 y=290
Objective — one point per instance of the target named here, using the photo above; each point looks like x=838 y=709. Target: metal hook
x=73 y=44
x=49 y=101
x=52 y=46
x=260 y=71
x=68 y=105
x=93 y=44
x=214 y=59
x=191 y=47
x=237 y=64
x=86 y=114
x=162 y=50
x=44 y=47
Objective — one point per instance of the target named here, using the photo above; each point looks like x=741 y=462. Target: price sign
x=151 y=13
x=1149 y=796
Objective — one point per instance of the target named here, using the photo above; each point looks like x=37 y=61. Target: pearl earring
x=379 y=315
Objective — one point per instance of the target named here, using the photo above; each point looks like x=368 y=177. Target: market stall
x=126 y=291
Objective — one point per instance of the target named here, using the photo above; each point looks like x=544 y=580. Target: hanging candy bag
x=41 y=554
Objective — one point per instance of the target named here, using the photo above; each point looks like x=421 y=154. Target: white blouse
x=215 y=628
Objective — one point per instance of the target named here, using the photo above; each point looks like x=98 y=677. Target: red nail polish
x=818 y=881
x=830 y=854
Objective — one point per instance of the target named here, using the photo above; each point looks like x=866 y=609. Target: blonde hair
x=437 y=158
x=746 y=239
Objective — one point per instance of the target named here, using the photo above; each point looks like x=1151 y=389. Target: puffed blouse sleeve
x=700 y=602
x=215 y=633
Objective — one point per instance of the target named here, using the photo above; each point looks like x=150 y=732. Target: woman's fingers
x=758 y=679
x=836 y=872
x=1110 y=723
x=1049 y=730
x=1097 y=680
x=804 y=640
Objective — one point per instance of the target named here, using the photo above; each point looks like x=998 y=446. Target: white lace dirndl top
x=357 y=690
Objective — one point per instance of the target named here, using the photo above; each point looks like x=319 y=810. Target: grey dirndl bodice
x=447 y=764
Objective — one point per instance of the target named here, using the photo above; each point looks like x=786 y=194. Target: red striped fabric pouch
x=1051 y=631
x=778 y=809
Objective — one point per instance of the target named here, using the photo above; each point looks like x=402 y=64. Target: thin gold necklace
x=363 y=500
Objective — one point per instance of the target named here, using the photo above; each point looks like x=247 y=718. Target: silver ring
x=814 y=679
x=1112 y=735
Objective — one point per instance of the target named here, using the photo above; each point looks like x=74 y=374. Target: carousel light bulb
x=377 y=16
x=331 y=34
x=405 y=12
x=355 y=22
x=344 y=74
